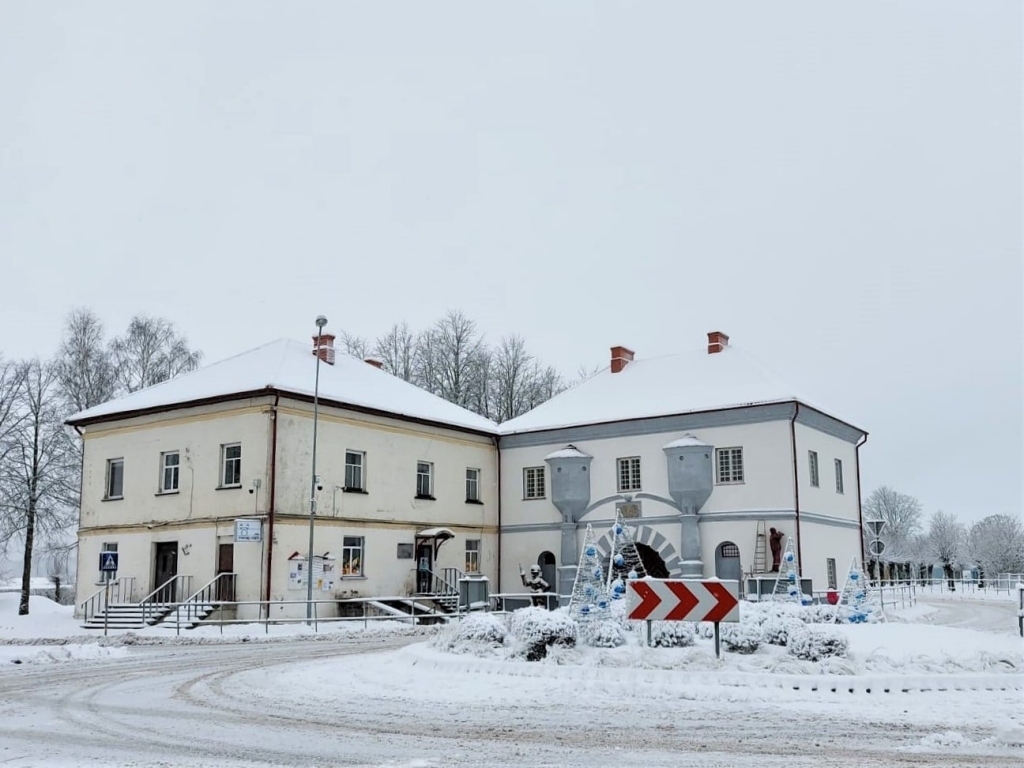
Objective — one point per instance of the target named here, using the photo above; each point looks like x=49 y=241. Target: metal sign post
x=108 y=567
x=718 y=640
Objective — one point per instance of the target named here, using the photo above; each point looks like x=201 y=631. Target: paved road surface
x=182 y=706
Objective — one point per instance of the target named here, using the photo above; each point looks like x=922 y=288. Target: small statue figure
x=776 y=542
x=536 y=584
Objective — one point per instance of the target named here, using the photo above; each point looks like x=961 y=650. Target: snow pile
x=817 y=643
x=603 y=634
x=56 y=654
x=741 y=637
x=777 y=630
x=479 y=634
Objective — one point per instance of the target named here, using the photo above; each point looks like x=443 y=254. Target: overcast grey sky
x=837 y=187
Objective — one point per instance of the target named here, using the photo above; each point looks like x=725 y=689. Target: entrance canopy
x=442 y=534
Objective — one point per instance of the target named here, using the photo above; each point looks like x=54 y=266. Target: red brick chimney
x=376 y=362
x=621 y=357
x=717 y=341
x=326 y=350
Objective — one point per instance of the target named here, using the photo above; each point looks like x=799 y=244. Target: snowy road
x=368 y=703
x=995 y=616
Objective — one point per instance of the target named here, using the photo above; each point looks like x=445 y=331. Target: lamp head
x=321 y=321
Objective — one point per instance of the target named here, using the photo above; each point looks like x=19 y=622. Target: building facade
x=213 y=473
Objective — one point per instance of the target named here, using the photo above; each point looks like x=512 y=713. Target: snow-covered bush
x=602 y=634
x=706 y=629
x=481 y=628
x=819 y=614
x=741 y=638
x=535 y=629
x=672 y=634
x=817 y=643
x=776 y=630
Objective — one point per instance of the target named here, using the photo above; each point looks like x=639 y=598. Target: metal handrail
x=152 y=599
x=92 y=604
x=209 y=594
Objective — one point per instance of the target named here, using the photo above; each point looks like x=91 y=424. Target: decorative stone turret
x=690 y=482
x=570 y=493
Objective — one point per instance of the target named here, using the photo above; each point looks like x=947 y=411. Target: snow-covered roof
x=686 y=441
x=569 y=452
x=661 y=386
x=289 y=367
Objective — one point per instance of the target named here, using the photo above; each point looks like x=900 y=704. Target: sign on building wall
x=248 y=530
x=628 y=509
x=324 y=572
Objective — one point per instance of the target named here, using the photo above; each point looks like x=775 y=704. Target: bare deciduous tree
x=514 y=378
x=150 y=351
x=997 y=544
x=12 y=376
x=902 y=516
x=945 y=542
x=447 y=361
x=34 y=475
x=83 y=363
x=397 y=349
x=353 y=345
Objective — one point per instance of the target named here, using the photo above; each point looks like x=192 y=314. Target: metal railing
x=221 y=589
x=116 y=591
x=499 y=600
x=1005 y=583
x=165 y=595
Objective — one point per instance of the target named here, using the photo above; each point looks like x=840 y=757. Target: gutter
x=796 y=485
x=497 y=451
x=860 y=509
x=272 y=496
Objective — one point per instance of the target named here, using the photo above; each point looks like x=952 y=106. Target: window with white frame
x=839 y=476
x=830 y=569
x=629 y=474
x=115 y=479
x=352 y=556
x=355 y=464
x=812 y=465
x=424 y=480
x=231 y=465
x=472 y=484
x=533 y=483
x=472 y=555
x=170 y=464
x=730 y=465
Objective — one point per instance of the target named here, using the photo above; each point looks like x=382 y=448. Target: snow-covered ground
x=377 y=698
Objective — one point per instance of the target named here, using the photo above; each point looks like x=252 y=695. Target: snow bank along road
x=359 y=702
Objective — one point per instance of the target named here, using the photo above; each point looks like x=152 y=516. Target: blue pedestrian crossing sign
x=108 y=561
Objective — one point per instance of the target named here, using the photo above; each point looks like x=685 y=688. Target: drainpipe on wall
x=860 y=510
x=81 y=485
x=272 y=496
x=497 y=450
x=796 y=485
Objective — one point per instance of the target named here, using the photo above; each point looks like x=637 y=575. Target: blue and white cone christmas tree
x=623 y=561
x=859 y=602
x=787 y=583
x=589 y=598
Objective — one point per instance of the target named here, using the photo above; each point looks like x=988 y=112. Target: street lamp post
x=321 y=321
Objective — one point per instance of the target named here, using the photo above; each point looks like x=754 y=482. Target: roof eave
x=685 y=413
x=270 y=390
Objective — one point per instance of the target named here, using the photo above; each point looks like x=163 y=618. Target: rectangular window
x=231 y=465
x=812 y=464
x=108 y=546
x=629 y=474
x=839 y=476
x=352 y=556
x=169 y=465
x=354 y=463
x=115 y=479
x=730 y=465
x=472 y=555
x=424 y=480
x=405 y=552
x=533 y=483
x=830 y=568
x=472 y=484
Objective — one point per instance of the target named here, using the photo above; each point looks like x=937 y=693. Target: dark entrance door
x=226 y=564
x=727 y=562
x=165 y=569
x=424 y=566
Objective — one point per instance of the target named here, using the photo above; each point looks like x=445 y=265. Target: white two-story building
x=212 y=473
x=702 y=452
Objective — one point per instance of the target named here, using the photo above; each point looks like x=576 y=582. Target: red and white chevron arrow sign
x=682 y=600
